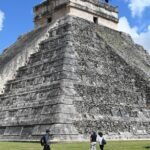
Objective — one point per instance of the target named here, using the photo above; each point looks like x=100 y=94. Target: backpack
x=43 y=140
x=103 y=141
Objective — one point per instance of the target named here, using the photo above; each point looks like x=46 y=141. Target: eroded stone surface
x=81 y=79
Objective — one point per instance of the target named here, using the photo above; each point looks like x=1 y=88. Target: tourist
x=45 y=141
x=101 y=140
x=93 y=138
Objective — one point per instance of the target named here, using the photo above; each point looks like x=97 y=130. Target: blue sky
x=16 y=18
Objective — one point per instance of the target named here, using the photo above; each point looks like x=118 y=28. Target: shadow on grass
x=147 y=147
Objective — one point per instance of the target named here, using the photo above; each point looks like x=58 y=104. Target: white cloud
x=1 y=20
x=125 y=27
x=142 y=38
x=137 y=7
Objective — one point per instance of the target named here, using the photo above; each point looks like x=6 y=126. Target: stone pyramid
x=82 y=77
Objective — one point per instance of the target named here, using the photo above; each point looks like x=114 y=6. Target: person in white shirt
x=101 y=140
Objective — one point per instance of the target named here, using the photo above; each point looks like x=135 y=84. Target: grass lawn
x=111 y=145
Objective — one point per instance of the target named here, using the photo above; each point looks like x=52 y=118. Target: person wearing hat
x=45 y=140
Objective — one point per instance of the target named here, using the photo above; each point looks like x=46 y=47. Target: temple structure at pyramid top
x=95 y=11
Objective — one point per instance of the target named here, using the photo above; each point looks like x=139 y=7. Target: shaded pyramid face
x=79 y=81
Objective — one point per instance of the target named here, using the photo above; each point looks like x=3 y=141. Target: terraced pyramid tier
x=84 y=77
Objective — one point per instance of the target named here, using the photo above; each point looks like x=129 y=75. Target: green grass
x=111 y=145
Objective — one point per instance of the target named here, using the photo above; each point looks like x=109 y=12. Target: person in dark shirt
x=45 y=141
x=93 y=138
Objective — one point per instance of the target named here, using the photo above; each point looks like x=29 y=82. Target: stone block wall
x=111 y=94
x=17 y=54
x=77 y=82
x=34 y=100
